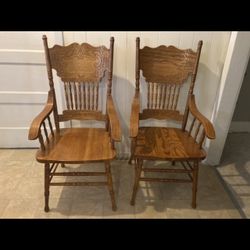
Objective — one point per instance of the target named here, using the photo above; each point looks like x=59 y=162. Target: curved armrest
x=134 y=118
x=37 y=122
x=208 y=126
x=113 y=119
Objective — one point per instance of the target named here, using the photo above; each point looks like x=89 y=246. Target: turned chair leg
x=110 y=186
x=132 y=149
x=195 y=183
x=138 y=168
x=130 y=160
x=46 y=187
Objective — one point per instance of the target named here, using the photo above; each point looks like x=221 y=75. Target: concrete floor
x=235 y=170
x=21 y=193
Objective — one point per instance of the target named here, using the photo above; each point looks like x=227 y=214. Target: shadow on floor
x=235 y=168
x=153 y=199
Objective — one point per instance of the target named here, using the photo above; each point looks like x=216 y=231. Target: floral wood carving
x=167 y=64
x=80 y=63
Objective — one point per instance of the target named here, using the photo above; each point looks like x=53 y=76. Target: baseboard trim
x=240 y=126
x=231 y=195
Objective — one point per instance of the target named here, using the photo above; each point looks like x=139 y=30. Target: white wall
x=208 y=79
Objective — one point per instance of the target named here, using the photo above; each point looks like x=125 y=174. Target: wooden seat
x=82 y=69
x=165 y=70
x=90 y=144
x=170 y=144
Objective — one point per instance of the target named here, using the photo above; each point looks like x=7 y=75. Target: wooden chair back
x=165 y=70
x=81 y=68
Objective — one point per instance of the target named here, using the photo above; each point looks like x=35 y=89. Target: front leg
x=138 y=169
x=46 y=187
x=132 y=150
x=195 y=183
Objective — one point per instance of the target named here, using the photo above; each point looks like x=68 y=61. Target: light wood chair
x=82 y=69
x=166 y=70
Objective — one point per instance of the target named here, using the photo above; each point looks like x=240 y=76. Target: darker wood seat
x=165 y=70
x=167 y=144
x=78 y=145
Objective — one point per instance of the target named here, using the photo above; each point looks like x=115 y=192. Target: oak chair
x=81 y=68
x=166 y=71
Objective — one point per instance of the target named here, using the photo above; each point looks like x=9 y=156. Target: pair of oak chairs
x=82 y=69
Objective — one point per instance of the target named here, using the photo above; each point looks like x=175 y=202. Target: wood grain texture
x=78 y=145
x=113 y=120
x=161 y=114
x=82 y=115
x=208 y=126
x=166 y=144
x=166 y=64
x=79 y=62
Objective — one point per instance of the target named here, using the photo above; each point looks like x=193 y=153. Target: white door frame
x=14 y=128
x=231 y=80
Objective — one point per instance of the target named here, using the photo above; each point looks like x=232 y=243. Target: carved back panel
x=79 y=63
x=81 y=68
x=165 y=70
x=166 y=64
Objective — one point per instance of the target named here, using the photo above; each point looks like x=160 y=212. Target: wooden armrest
x=134 y=118
x=37 y=122
x=113 y=119
x=208 y=126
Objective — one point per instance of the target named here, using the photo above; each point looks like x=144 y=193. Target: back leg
x=138 y=168
x=110 y=186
